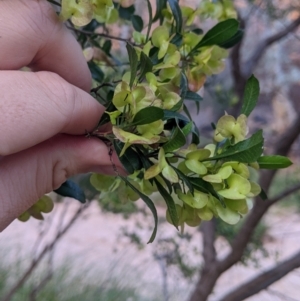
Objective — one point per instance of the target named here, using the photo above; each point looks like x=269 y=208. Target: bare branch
x=263 y=45
x=208 y=234
x=288 y=137
x=42 y=254
x=263 y=280
x=284 y=194
x=104 y=35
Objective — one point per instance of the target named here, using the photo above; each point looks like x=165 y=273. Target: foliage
x=145 y=98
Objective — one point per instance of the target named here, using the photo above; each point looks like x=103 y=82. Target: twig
x=104 y=35
x=45 y=251
x=263 y=45
x=264 y=280
x=284 y=194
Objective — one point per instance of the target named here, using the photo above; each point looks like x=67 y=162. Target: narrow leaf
x=170 y=203
x=219 y=34
x=263 y=195
x=137 y=23
x=176 y=11
x=174 y=115
x=146 y=65
x=195 y=135
x=187 y=128
x=130 y=160
x=72 y=190
x=125 y=12
x=183 y=85
x=177 y=40
x=148 y=115
x=176 y=141
x=150 y=19
x=237 y=38
x=246 y=151
x=185 y=179
x=133 y=62
x=274 y=162
x=251 y=95
x=150 y=205
x=160 y=5
x=190 y=95
x=97 y=73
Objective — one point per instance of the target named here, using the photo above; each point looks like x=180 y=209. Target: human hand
x=44 y=114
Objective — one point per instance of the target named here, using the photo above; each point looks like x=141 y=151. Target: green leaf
x=176 y=11
x=125 y=12
x=160 y=5
x=190 y=95
x=177 y=106
x=72 y=190
x=251 y=95
x=177 y=40
x=195 y=135
x=237 y=38
x=97 y=73
x=185 y=179
x=133 y=62
x=145 y=161
x=150 y=19
x=150 y=205
x=148 y=115
x=197 y=31
x=246 y=151
x=130 y=160
x=183 y=85
x=263 y=195
x=274 y=162
x=107 y=47
x=219 y=34
x=176 y=141
x=206 y=187
x=137 y=23
x=174 y=115
x=187 y=128
x=170 y=203
x=146 y=65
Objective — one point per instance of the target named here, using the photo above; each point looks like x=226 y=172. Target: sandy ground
x=95 y=243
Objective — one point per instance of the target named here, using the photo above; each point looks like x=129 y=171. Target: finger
x=31 y=35
x=37 y=106
x=28 y=175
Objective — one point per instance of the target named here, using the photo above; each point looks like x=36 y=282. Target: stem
x=104 y=35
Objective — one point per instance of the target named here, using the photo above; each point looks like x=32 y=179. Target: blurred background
x=100 y=252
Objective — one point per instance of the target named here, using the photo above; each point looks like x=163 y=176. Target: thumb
x=29 y=174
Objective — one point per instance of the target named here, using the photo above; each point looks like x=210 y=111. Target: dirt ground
x=95 y=242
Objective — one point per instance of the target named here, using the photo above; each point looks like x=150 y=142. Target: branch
x=263 y=45
x=264 y=280
x=45 y=251
x=104 y=35
x=284 y=194
x=208 y=234
x=288 y=137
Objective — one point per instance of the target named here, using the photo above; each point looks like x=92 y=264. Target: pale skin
x=44 y=114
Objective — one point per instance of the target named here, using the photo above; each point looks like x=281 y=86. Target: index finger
x=31 y=35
